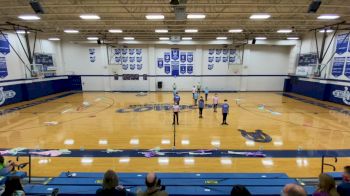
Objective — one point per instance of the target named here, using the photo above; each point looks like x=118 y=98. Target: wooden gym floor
x=125 y=121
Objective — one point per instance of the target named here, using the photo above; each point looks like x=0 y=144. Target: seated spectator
x=154 y=187
x=344 y=188
x=326 y=186
x=110 y=185
x=293 y=190
x=6 y=168
x=13 y=187
x=239 y=190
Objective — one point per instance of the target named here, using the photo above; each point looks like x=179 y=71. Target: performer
x=177 y=98
x=198 y=88
x=176 y=110
x=193 y=90
x=206 y=92
x=195 y=98
x=225 y=110
x=174 y=88
x=201 y=107
x=215 y=102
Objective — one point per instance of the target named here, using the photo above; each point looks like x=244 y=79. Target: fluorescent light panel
x=235 y=30
x=260 y=16
x=221 y=38
x=161 y=30
x=285 y=31
x=129 y=38
x=92 y=38
x=29 y=17
x=54 y=39
x=21 y=31
x=115 y=31
x=154 y=17
x=89 y=17
x=71 y=31
x=326 y=31
x=328 y=17
x=187 y=38
x=292 y=38
x=260 y=38
x=191 y=30
x=195 y=16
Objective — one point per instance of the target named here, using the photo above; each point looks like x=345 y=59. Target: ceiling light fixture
x=89 y=17
x=328 y=17
x=260 y=38
x=161 y=30
x=235 y=30
x=195 y=16
x=164 y=38
x=187 y=38
x=29 y=17
x=54 y=39
x=191 y=30
x=154 y=17
x=71 y=31
x=260 y=16
x=221 y=38
x=292 y=38
x=115 y=31
x=285 y=31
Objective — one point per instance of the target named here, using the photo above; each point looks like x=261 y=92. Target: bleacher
x=78 y=183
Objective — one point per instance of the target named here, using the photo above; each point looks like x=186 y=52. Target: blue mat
x=18 y=173
x=175 y=182
x=336 y=175
x=172 y=190
x=179 y=175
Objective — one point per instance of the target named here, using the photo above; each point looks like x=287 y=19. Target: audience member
x=293 y=190
x=239 y=190
x=6 y=168
x=344 y=188
x=13 y=187
x=154 y=187
x=326 y=186
x=110 y=185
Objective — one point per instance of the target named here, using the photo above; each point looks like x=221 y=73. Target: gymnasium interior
x=200 y=96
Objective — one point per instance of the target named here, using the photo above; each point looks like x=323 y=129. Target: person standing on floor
x=199 y=88
x=177 y=98
x=225 y=110
x=193 y=90
x=195 y=98
x=201 y=107
x=215 y=102
x=176 y=110
x=174 y=89
x=206 y=92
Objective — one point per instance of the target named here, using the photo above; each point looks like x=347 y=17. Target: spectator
x=13 y=187
x=201 y=107
x=326 y=186
x=110 y=185
x=293 y=190
x=344 y=188
x=153 y=187
x=239 y=190
x=6 y=168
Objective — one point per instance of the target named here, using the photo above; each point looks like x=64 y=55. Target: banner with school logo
x=210 y=59
x=232 y=59
x=190 y=57
x=211 y=51
x=210 y=66
x=224 y=59
x=117 y=51
x=347 y=68
x=132 y=66
x=139 y=59
x=117 y=59
x=131 y=51
x=183 y=68
x=125 y=66
x=160 y=63
x=175 y=53
x=125 y=59
x=183 y=57
x=224 y=51
x=167 y=68
x=218 y=59
x=132 y=59
x=189 y=68
x=4 y=44
x=342 y=43
x=218 y=51
x=175 y=68
x=92 y=52
x=3 y=67
x=338 y=66
x=139 y=66
x=138 y=51
x=232 y=51
x=124 y=51
x=167 y=57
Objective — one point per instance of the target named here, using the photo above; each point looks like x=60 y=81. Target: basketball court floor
x=96 y=131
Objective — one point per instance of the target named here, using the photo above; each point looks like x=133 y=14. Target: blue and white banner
x=211 y=51
x=347 y=68
x=138 y=51
x=92 y=52
x=218 y=59
x=139 y=59
x=125 y=59
x=338 y=66
x=132 y=66
x=131 y=51
x=117 y=59
x=210 y=59
x=175 y=68
x=160 y=63
x=218 y=51
x=167 y=57
x=132 y=59
x=224 y=59
x=3 y=67
x=139 y=66
x=232 y=51
x=183 y=68
x=124 y=51
x=190 y=57
x=125 y=66
x=224 y=51
x=117 y=51
x=189 y=68
x=175 y=53
x=167 y=68
x=183 y=57
x=4 y=44
x=342 y=43
x=232 y=59
x=210 y=66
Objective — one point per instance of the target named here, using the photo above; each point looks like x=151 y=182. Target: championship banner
x=210 y=66
x=183 y=57
x=160 y=63
x=190 y=57
x=139 y=59
x=167 y=57
x=117 y=59
x=225 y=51
x=132 y=66
x=218 y=59
x=124 y=51
x=131 y=51
x=125 y=66
x=175 y=53
x=189 y=68
x=125 y=59
x=167 y=68
x=4 y=44
x=211 y=51
x=3 y=67
x=175 y=68
x=92 y=55
x=338 y=66
x=138 y=51
x=132 y=59
x=342 y=43
x=232 y=59
x=347 y=68
x=183 y=68
x=218 y=51
x=210 y=59
x=139 y=66
x=117 y=51
x=232 y=51
x=224 y=59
